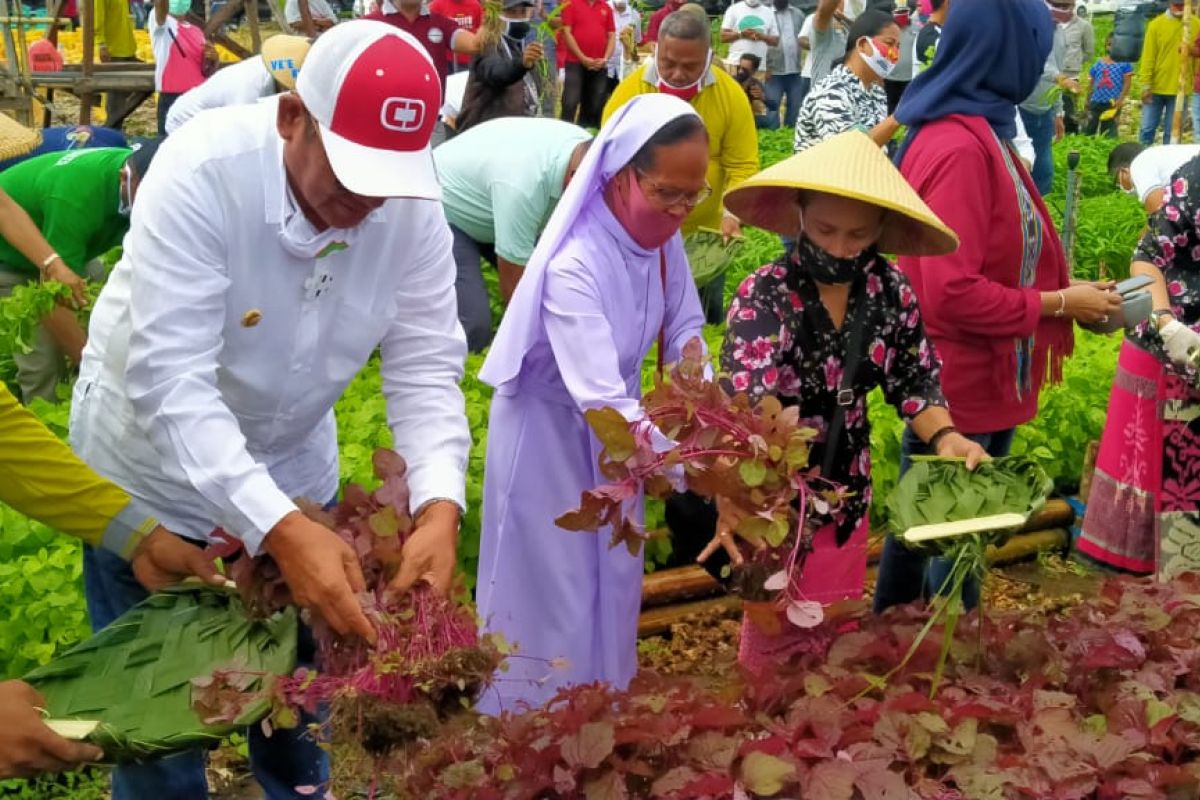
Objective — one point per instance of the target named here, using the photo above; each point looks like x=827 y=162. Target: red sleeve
x=655 y=23
x=956 y=297
x=568 y=16
x=611 y=25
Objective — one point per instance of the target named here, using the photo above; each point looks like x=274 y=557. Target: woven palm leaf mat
x=135 y=677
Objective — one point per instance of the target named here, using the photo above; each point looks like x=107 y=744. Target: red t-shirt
x=433 y=31
x=656 y=19
x=467 y=14
x=590 y=21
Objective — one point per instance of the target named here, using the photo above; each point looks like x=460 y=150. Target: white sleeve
x=1023 y=143
x=177 y=312
x=728 y=21
x=422 y=358
x=1147 y=174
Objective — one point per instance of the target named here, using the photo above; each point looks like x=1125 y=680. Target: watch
x=1159 y=314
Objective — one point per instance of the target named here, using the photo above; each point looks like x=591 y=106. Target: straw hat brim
x=847 y=165
x=16 y=139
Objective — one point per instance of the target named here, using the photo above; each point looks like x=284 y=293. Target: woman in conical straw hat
x=608 y=277
x=823 y=326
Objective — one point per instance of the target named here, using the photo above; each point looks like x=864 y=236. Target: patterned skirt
x=1143 y=513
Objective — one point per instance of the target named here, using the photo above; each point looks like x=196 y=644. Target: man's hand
x=532 y=55
x=322 y=573
x=104 y=58
x=60 y=272
x=429 y=555
x=1060 y=129
x=1070 y=85
x=27 y=746
x=1147 y=96
x=163 y=559
x=730 y=227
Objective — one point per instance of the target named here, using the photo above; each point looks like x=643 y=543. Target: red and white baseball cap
x=376 y=95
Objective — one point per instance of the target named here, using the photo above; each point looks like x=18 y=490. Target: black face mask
x=516 y=29
x=825 y=268
x=780 y=5
x=743 y=75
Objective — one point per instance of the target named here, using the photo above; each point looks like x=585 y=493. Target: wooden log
x=226 y=13
x=1089 y=470
x=671 y=594
x=676 y=585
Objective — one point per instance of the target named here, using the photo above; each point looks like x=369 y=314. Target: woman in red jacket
x=999 y=309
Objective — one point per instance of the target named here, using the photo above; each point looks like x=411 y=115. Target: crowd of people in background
x=573 y=146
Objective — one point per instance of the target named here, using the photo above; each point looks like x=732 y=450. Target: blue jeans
x=788 y=90
x=768 y=121
x=1160 y=105
x=1040 y=128
x=905 y=575
x=1196 y=116
x=289 y=758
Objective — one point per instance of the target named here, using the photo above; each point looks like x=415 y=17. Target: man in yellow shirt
x=682 y=66
x=1158 y=72
x=115 y=39
x=41 y=478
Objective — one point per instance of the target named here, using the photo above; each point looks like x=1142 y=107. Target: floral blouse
x=1172 y=244
x=781 y=340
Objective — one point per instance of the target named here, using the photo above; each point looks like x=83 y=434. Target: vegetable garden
x=1095 y=699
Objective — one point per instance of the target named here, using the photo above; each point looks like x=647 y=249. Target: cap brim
x=372 y=172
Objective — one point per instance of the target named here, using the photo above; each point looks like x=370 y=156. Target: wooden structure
x=20 y=85
x=670 y=596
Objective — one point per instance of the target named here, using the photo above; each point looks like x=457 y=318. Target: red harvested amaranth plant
x=428 y=662
x=752 y=457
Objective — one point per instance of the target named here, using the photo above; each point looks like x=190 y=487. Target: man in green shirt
x=497 y=206
x=80 y=203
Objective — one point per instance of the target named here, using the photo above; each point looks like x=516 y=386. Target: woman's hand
x=27 y=746
x=1179 y=341
x=532 y=55
x=729 y=516
x=955 y=445
x=1084 y=302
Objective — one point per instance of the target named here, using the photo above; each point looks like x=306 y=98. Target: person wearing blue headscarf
x=998 y=309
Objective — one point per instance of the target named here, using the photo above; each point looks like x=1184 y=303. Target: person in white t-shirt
x=624 y=58
x=323 y=15
x=247 y=81
x=273 y=249
x=749 y=27
x=1145 y=172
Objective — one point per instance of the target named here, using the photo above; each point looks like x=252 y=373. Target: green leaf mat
x=709 y=255
x=134 y=677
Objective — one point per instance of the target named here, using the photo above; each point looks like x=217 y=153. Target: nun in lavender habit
x=608 y=274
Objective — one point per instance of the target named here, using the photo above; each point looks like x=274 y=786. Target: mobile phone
x=1133 y=284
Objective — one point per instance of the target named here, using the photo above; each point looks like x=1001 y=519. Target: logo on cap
x=402 y=114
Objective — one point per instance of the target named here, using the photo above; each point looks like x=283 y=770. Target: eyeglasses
x=672 y=198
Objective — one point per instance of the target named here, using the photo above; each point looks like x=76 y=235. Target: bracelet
x=941 y=433
x=50 y=259
x=1062 y=305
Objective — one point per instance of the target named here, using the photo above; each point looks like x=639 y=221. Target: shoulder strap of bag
x=845 y=395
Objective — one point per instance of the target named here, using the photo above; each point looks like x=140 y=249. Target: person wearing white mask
x=624 y=59
x=682 y=66
x=852 y=95
x=749 y=27
x=222 y=341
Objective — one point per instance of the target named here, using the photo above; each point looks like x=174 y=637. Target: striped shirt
x=840 y=103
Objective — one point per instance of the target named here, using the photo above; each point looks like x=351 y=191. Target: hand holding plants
x=163 y=559
x=429 y=555
x=27 y=746
x=321 y=571
x=532 y=55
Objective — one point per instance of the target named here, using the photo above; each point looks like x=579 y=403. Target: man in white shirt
x=749 y=27
x=273 y=249
x=1145 y=172
x=323 y=15
x=247 y=81
x=624 y=58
